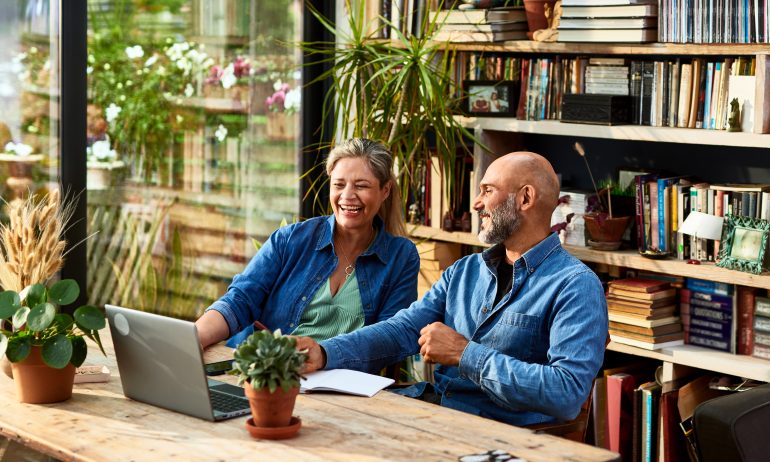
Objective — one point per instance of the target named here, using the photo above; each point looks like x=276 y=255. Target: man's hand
x=441 y=344
x=316 y=357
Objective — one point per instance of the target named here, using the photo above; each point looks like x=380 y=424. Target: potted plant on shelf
x=605 y=229
x=282 y=109
x=268 y=366
x=101 y=161
x=43 y=344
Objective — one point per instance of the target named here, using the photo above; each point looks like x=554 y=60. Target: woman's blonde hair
x=380 y=162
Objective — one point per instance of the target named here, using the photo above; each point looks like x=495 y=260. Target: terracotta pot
x=535 y=12
x=281 y=126
x=271 y=409
x=606 y=230
x=38 y=383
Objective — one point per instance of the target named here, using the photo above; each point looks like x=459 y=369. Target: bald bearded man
x=517 y=332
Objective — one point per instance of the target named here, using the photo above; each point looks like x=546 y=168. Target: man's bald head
x=523 y=167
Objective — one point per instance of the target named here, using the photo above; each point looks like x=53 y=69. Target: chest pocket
x=515 y=334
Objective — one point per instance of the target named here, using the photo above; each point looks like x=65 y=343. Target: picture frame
x=744 y=244
x=490 y=98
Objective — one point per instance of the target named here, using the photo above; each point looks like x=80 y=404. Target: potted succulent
x=268 y=366
x=43 y=345
x=605 y=230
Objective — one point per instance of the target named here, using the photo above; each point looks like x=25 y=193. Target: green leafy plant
x=268 y=360
x=35 y=320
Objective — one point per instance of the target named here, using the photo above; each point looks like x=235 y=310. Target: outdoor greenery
x=268 y=360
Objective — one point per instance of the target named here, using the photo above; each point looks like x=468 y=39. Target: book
x=607 y=23
x=661 y=294
x=626 y=318
x=745 y=320
x=602 y=2
x=610 y=11
x=662 y=329
x=639 y=284
x=650 y=398
x=652 y=339
x=344 y=381
x=644 y=345
x=469 y=36
x=710 y=287
x=647 y=313
x=608 y=35
x=506 y=13
x=475 y=16
x=638 y=302
x=487 y=27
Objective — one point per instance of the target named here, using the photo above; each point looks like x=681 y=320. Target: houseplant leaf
x=63 y=322
x=64 y=292
x=9 y=303
x=35 y=295
x=40 y=317
x=18 y=348
x=79 y=351
x=89 y=317
x=20 y=317
x=57 y=351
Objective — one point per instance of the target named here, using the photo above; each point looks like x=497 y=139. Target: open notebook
x=344 y=381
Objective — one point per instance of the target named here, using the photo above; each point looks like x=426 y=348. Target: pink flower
x=215 y=75
x=241 y=67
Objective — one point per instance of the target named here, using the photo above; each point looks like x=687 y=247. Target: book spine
x=745 y=342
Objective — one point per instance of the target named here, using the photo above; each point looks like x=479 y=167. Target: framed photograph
x=490 y=98
x=744 y=243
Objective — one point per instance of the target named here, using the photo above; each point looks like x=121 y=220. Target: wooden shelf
x=693 y=49
x=704 y=358
x=626 y=258
x=620 y=132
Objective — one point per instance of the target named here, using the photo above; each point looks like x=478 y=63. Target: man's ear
x=528 y=196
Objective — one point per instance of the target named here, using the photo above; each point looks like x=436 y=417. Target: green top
x=327 y=316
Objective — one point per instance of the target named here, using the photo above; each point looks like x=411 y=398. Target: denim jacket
x=281 y=279
x=531 y=358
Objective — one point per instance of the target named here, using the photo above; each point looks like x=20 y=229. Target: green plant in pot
x=268 y=366
x=43 y=345
x=605 y=229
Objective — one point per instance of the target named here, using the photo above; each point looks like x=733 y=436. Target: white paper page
x=344 y=381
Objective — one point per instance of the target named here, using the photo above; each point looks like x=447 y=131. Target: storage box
x=596 y=109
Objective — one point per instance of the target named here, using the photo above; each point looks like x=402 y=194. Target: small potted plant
x=282 y=107
x=43 y=345
x=605 y=230
x=268 y=366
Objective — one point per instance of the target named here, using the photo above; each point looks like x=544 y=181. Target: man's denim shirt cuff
x=224 y=309
x=472 y=360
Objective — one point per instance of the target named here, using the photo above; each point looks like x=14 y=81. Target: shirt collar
x=378 y=248
x=531 y=259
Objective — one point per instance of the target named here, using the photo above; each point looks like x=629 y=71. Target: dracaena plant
x=32 y=250
x=268 y=360
x=32 y=318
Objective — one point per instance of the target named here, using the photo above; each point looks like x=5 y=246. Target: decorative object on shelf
x=596 y=109
x=654 y=254
x=744 y=243
x=490 y=98
x=605 y=231
x=101 y=162
x=553 y=18
x=43 y=345
x=21 y=163
x=734 y=120
x=702 y=225
x=536 y=15
x=282 y=109
x=268 y=366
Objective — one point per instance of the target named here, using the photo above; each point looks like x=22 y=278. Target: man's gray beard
x=504 y=221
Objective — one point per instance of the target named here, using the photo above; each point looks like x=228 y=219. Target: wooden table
x=100 y=424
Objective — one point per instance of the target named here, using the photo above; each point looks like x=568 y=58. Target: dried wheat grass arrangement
x=32 y=244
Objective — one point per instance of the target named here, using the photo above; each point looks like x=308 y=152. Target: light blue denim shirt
x=282 y=278
x=531 y=358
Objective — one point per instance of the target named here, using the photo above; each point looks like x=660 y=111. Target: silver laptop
x=161 y=363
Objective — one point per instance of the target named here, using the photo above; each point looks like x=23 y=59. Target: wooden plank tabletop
x=100 y=424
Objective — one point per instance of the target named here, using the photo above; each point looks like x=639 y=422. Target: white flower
x=112 y=112
x=228 y=78
x=277 y=85
x=20 y=149
x=151 y=60
x=189 y=90
x=297 y=75
x=293 y=100
x=134 y=52
x=102 y=152
x=89 y=70
x=221 y=133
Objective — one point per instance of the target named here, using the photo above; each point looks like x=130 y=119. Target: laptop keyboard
x=226 y=403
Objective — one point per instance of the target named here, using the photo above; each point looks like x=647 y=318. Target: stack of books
x=711 y=307
x=480 y=25
x=606 y=76
x=642 y=313
x=609 y=21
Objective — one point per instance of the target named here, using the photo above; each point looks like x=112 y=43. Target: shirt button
x=291 y=325
x=448 y=394
x=304 y=298
x=484 y=309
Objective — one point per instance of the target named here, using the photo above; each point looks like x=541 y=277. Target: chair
x=733 y=427
x=573 y=430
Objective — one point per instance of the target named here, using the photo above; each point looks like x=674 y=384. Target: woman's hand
x=316 y=356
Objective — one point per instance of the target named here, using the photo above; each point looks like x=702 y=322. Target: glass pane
x=29 y=98
x=193 y=122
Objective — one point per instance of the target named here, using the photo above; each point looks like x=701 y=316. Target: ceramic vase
x=535 y=12
x=271 y=409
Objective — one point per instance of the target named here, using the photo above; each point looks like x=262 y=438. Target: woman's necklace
x=350 y=268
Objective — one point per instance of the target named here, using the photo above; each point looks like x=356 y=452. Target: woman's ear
x=386 y=188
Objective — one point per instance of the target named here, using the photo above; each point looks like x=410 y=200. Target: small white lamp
x=702 y=225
